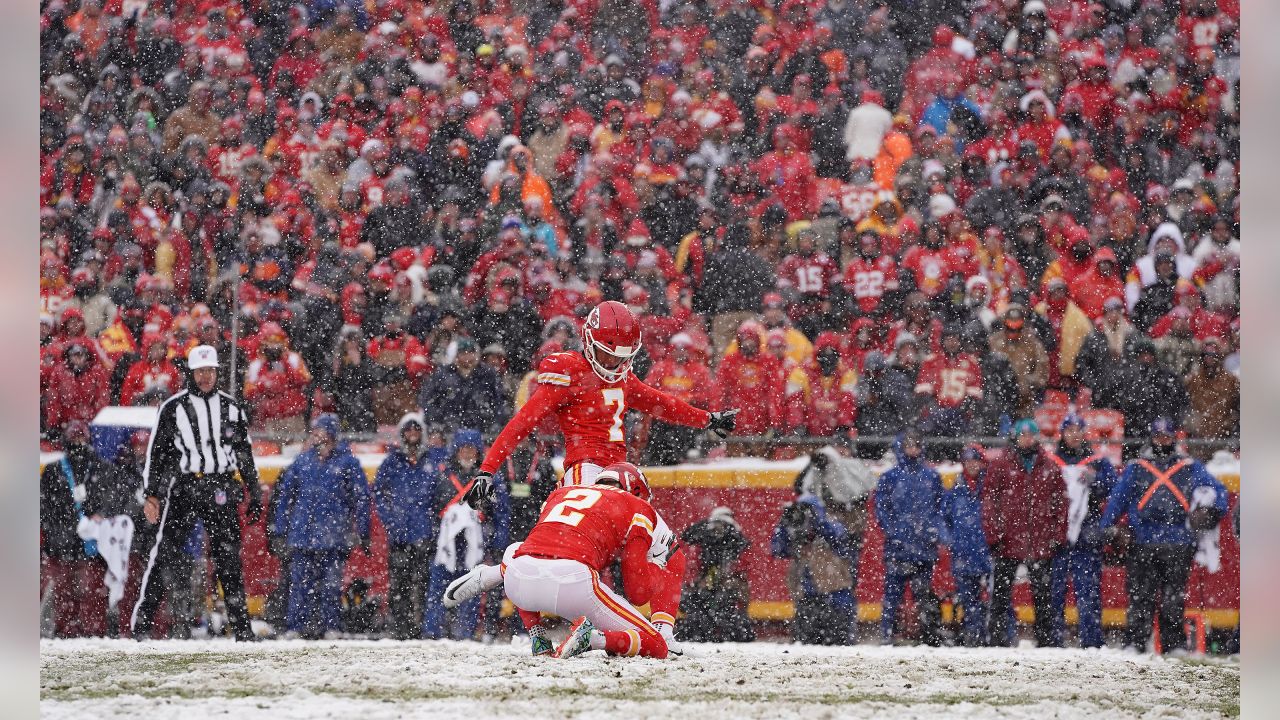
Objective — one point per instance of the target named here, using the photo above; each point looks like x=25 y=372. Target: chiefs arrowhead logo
x=593 y=320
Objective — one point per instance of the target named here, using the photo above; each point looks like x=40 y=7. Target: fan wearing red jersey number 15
x=589 y=393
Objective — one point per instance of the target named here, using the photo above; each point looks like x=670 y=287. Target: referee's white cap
x=202 y=356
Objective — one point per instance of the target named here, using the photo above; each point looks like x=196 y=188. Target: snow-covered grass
x=367 y=680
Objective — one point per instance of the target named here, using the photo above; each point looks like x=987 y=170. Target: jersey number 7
x=615 y=397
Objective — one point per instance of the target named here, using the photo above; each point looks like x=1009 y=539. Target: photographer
x=822 y=531
x=715 y=604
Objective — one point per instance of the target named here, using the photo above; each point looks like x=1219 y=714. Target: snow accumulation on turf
x=371 y=680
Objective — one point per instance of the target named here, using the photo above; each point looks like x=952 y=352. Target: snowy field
x=366 y=680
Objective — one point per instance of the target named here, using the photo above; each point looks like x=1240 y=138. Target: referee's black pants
x=214 y=499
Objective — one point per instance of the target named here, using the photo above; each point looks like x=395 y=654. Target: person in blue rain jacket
x=1174 y=506
x=323 y=513
x=1090 y=478
x=404 y=491
x=909 y=509
x=970 y=556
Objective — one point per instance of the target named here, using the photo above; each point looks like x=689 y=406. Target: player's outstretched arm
x=668 y=408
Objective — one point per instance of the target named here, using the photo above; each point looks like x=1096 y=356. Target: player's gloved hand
x=481 y=490
x=722 y=423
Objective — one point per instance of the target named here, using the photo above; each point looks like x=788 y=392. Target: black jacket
x=58 y=516
x=734 y=280
x=476 y=401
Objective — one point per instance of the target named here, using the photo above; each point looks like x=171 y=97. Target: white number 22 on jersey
x=615 y=396
x=576 y=499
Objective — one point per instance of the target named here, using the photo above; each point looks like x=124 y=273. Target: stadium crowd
x=846 y=217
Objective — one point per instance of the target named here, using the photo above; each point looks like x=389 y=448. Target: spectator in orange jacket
x=751 y=379
x=276 y=384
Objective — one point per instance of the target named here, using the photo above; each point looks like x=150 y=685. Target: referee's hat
x=202 y=356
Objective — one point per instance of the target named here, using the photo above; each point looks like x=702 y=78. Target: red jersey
x=589 y=410
x=868 y=280
x=811 y=275
x=950 y=379
x=1200 y=32
x=930 y=268
x=592 y=525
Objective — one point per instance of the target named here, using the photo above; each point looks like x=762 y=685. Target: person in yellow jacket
x=799 y=349
x=1072 y=326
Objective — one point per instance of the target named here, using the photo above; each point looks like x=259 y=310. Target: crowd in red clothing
x=823 y=215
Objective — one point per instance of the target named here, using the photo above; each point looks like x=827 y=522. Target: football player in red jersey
x=557 y=568
x=589 y=394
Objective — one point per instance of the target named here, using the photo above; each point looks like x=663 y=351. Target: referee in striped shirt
x=200 y=439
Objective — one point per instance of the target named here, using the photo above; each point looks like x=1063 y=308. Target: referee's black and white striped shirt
x=198 y=433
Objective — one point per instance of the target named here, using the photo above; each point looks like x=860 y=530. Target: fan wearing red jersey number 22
x=589 y=393
x=556 y=570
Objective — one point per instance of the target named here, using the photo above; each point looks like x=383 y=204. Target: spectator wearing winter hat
x=1101 y=281
x=463 y=539
x=153 y=372
x=1214 y=394
x=1024 y=516
x=465 y=393
x=970 y=554
x=1090 y=479
x=1026 y=354
x=909 y=509
x=79 y=387
x=1070 y=327
x=404 y=491
x=323 y=513
x=275 y=384
x=820 y=394
x=1145 y=389
x=751 y=379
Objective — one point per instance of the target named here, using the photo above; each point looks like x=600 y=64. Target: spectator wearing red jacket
x=1093 y=94
x=819 y=395
x=809 y=274
x=871 y=274
x=1102 y=280
x=1204 y=323
x=299 y=60
x=1041 y=127
x=78 y=387
x=1024 y=517
x=751 y=379
x=276 y=384
x=927 y=74
x=928 y=261
x=788 y=173
x=153 y=373
x=950 y=382
x=684 y=374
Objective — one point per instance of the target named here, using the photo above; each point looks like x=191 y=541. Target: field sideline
x=368 y=680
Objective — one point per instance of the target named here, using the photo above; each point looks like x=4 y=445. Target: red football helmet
x=610 y=340
x=629 y=478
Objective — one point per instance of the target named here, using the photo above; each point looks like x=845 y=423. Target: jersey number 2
x=576 y=499
x=615 y=397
